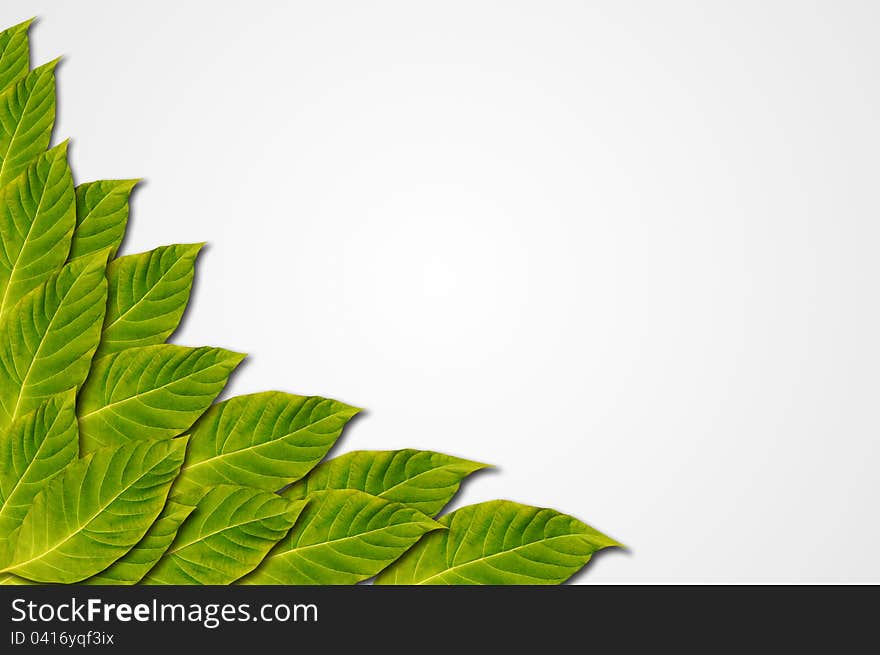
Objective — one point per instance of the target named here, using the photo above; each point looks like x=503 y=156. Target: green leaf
x=38 y=446
x=136 y=563
x=421 y=479
x=264 y=440
x=499 y=543
x=95 y=511
x=14 y=54
x=27 y=116
x=101 y=216
x=146 y=296
x=9 y=579
x=227 y=535
x=344 y=536
x=47 y=339
x=7 y=547
x=152 y=392
x=37 y=216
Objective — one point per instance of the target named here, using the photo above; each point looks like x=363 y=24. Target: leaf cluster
x=118 y=466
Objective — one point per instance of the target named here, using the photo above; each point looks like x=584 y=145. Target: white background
x=626 y=251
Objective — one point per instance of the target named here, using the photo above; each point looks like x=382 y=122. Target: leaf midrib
x=423 y=473
x=499 y=554
x=14 y=269
x=17 y=127
x=24 y=380
x=148 y=392
x=91 y=518
x=299 y=549
x=27 y=469
x=256 y=447
x=142 y=298
x=94 y=209
x=231 y=526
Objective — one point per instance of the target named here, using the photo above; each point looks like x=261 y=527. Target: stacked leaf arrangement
x=116 y=464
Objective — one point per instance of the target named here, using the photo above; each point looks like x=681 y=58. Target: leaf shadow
x=338 y=444
x=193 y=296
x=576 y=578
x=62 y=62
x=463 y=487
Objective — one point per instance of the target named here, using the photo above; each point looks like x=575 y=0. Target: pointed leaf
x=264 y=440
x=136 y=563
x=343 y=537
x=227 y=535
x=37 y=216
x=421 y=479
x=14 y=54
x=47 y=339
x=146 y=297
x=101 y=216
x=27 y=116
x=38 y=446
x=95 y=511
x=499 y=543
x=150 y=393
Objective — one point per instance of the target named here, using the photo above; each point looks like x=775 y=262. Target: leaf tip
x=67 y=397
x=475 y=466
x=49 y=66
x=179 y=511
x=295 y=508
x=102 y=256
x=57 y=152
x=599 y=540
x=177 y=447
x=613 y=543
x=130 y=183
x=230 y=359
x=431 y=525
x=194 y=248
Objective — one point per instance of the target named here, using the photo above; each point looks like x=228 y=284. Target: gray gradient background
x=627 y=251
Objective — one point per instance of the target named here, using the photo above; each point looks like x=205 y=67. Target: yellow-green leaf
x=95 y=511
x=134 y=565
x=14 y=54
x=102 y=209
x=499 y=543
x=264 y=440
x=152 y=392
x=37 y=216
x=27 y=116
x=344 y=536
x=146 y=296
x=36 y=448
x=421 y=479
x=228 y=534
x=47 y=339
